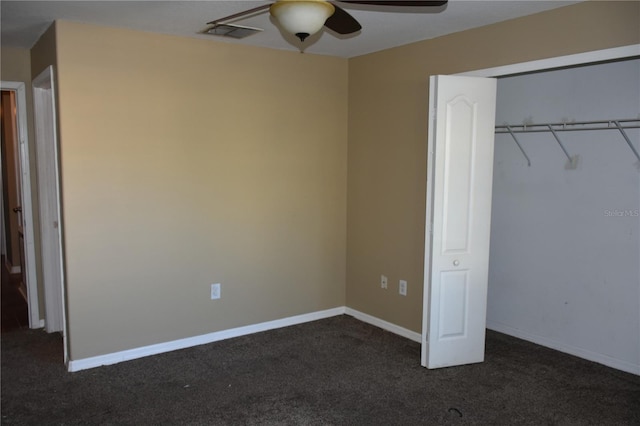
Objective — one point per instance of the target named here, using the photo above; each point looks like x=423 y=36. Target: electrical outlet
x=215 y=291
x=383 y=281
x=402 y=288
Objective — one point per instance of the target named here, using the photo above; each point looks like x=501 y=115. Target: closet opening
x=565 y=226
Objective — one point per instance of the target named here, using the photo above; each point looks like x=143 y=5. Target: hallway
x=15 y=312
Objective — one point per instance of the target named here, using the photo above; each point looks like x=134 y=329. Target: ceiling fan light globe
x=301 y=17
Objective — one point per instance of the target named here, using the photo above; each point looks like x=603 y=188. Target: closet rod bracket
x=513 y=135
x=572 y=162
x=626 y=138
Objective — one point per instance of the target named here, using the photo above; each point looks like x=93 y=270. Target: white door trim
x=44 y=95
x=30 y=275
x=557 y=62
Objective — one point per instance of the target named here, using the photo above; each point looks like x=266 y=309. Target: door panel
x=461 y=115
x=459 y=185
x=454 y=293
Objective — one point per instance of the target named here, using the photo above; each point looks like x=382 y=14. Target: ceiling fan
x=303 y=18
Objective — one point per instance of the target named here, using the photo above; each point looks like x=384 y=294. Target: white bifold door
x=459 y=182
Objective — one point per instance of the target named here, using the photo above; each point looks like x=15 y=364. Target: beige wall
x=388 y=101
x=190 y=162
x=44 y=52
x=15 y=65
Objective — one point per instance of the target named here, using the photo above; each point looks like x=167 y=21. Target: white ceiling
x=22 y=22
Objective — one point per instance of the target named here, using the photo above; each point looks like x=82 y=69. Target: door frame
x=585 y=58
x=44 y=103
x=24 y=170
x=557 y=62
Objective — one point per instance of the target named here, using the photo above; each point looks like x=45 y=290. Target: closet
x=564 y=268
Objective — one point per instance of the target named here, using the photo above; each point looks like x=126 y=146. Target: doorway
x=18 y=236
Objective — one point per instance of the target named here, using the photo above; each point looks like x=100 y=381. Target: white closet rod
x=629 y=123
x=620 y=125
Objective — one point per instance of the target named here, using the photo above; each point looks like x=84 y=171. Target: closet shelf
x=553 y=128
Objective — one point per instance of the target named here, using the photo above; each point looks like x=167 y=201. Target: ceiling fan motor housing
x=302 y=17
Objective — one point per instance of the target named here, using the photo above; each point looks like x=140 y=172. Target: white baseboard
x=12 y=269
x=127 y=355
x=562 y=347
x=23 y=291
x=396 y=329
x=130 y=354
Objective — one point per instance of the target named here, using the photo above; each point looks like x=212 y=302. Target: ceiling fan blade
x=415 y=3
x=342 y=23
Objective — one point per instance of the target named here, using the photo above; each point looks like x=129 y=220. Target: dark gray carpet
x=337 y=371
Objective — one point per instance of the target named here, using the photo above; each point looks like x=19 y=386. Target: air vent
x=231 y=30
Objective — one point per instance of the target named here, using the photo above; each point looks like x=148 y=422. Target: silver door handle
x=456 y=262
